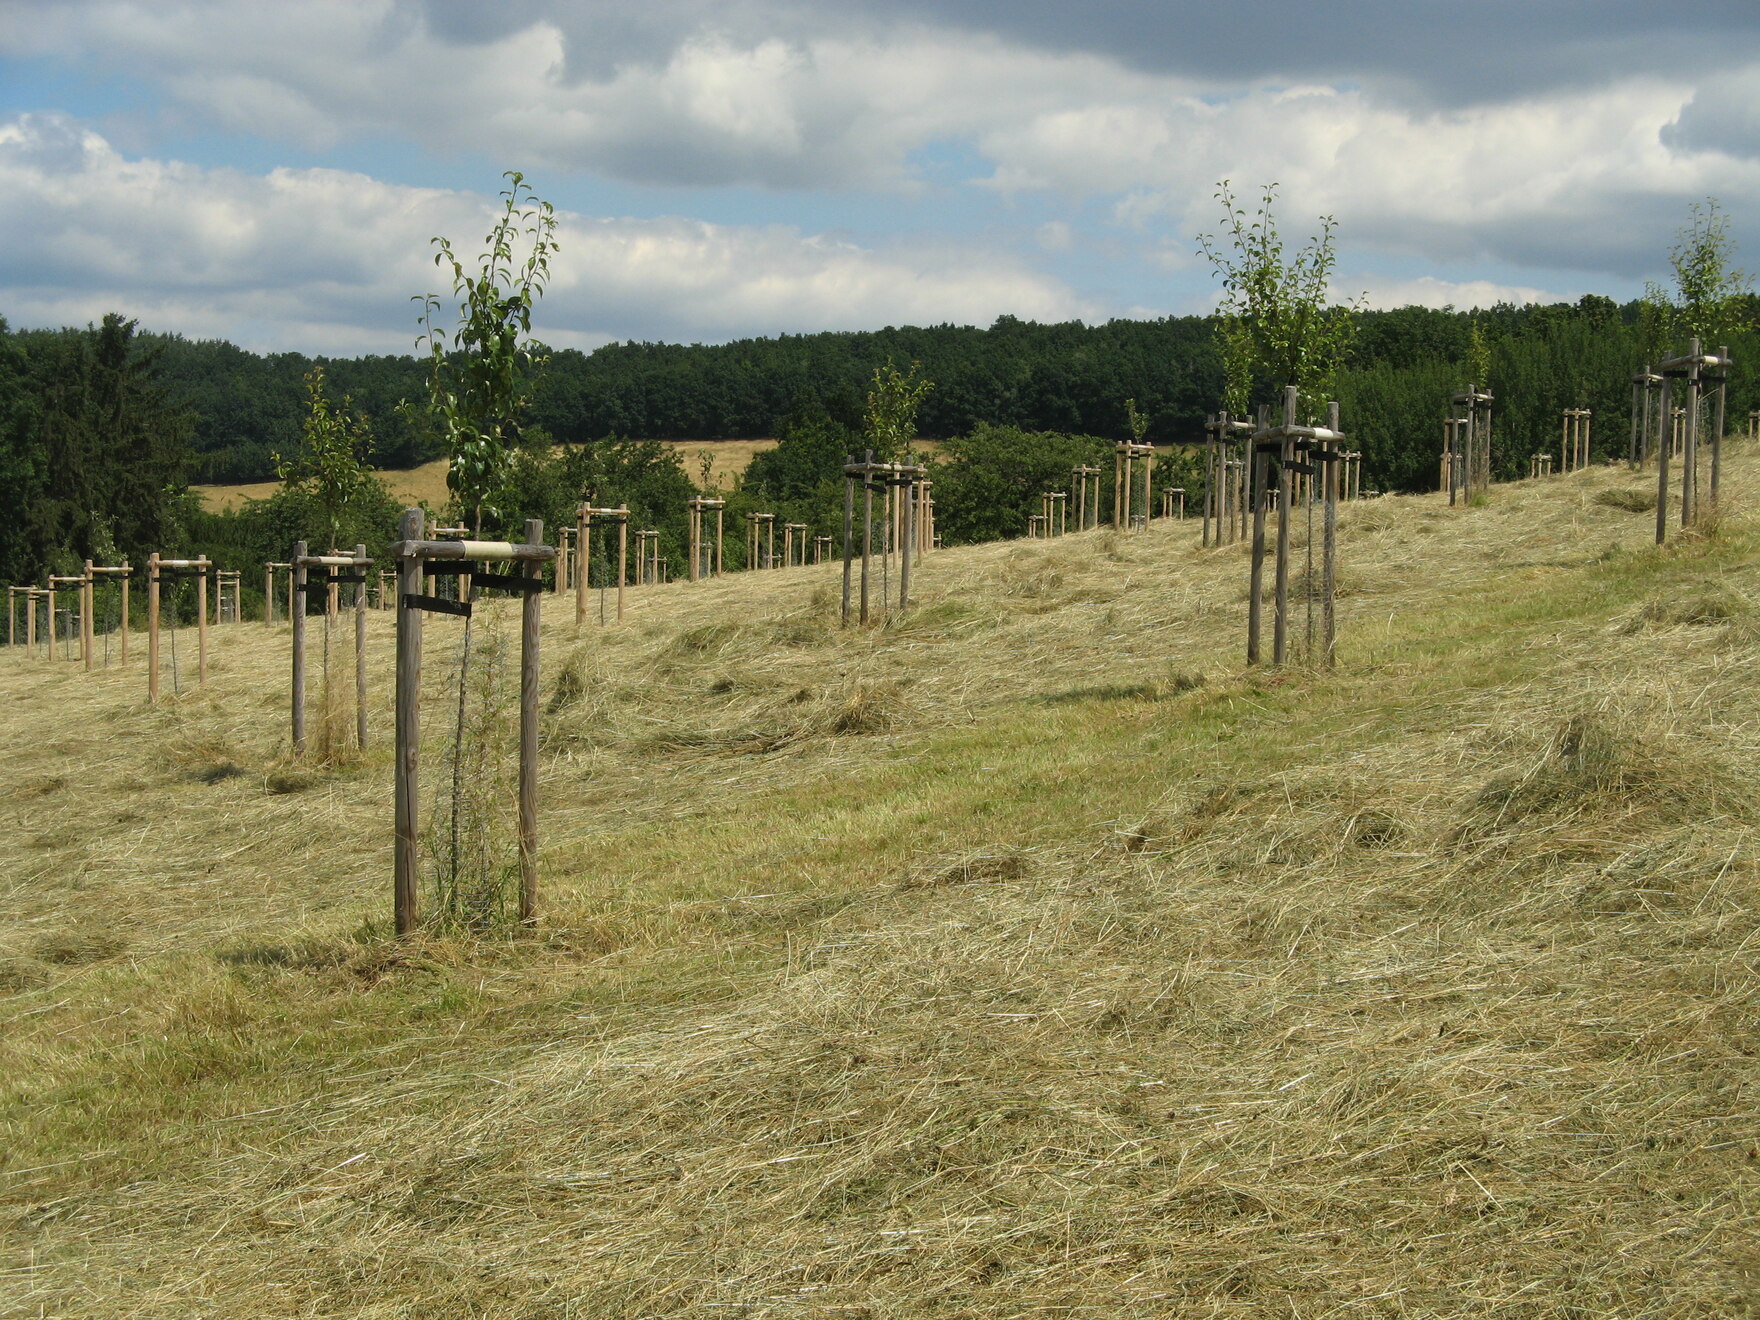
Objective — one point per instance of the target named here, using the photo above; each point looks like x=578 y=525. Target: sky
x=274 y=174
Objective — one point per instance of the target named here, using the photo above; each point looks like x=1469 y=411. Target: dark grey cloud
x=1443 y=51
x=1436 y=52
x=1724 y=115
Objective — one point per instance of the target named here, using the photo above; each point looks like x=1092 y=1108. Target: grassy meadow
x=1019 y=955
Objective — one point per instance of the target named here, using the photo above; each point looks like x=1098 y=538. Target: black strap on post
x=512 y=582
x=348 y=579
x=435 y=605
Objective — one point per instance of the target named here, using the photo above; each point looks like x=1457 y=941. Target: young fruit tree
x=479 y=372
x=1277 y=324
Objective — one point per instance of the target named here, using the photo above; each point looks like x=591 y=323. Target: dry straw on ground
x=1020 y=956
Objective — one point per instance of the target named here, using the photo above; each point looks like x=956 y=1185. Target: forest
x=102 y=427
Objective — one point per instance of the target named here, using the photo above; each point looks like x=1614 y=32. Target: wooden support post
x=1664 y=449
x=622 y=555
x=297 y=686
x=1119 y=489
x=1256 y=578
x=152 y=627
x=87 y=599
x=528 y=736
x=202 y=622
x=867 y=528
x=908 y=536
x=404 y=894
x=849 y=512
x=1280 y=622
x=1717 y=423
x=1329 y=544
x=360 y=650
x=584 y=542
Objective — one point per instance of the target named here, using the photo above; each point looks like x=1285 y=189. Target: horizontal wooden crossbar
x=488 y=551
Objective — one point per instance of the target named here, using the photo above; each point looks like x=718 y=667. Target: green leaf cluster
x=1277 y=323
x=480 y=370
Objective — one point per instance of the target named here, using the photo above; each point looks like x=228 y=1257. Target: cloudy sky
x=272 y=173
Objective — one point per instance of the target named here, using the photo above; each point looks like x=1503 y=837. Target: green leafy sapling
x=480 y=371
x=331 y=468
x=890 y=420
x=1276 y=319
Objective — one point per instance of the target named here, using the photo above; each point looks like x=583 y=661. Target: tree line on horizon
x=101 y=428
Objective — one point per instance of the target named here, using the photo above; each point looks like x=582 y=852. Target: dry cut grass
x=1019 y=955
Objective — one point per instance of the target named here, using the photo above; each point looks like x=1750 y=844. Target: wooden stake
x=1280 y=622
x=202 y=623
x=583 y=540
x=360 y=651
x=153 y=627
x=404 y=896
x=849 y=515
x=86 y=601
x=1663 y=449
x=298 y=618
x=1256 y=578
x=528 y=736
x=1329 y=546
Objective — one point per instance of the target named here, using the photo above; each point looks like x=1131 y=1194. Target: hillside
x=1023 y=956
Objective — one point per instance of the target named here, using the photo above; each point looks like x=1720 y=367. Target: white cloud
x=1113 y=114
x=1382 y=291
x=326 y=260
x=1583 y=182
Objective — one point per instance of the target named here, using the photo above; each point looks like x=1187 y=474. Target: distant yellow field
x=428 y=482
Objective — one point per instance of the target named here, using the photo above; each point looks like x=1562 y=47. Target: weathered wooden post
x=1721 y=380
x=873 y=476
x=87 y=628
x=849 y=508
x=414 y=554
x=32 y=596
x=76 y=583
x=1280 y=625
x=152 y=628
x=1473 y=442
x=360 y=647
x=297 y=681
x=330 y=584
x=1256 y=571
x=404 y=895
x=587 y=517
x=1644 y=388
x=1330 y=454
x=582 y=539
x=1692 y=368
x=564 y=560
x=821 y=548
x=1574 y=449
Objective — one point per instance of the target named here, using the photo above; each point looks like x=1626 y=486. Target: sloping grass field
x=1022 y=955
